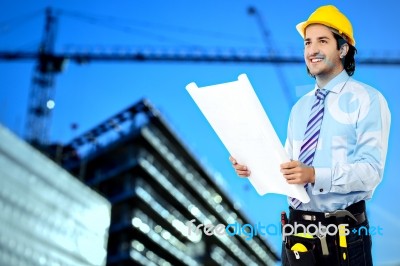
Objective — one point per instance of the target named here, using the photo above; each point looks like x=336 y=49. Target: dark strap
x=356 y=209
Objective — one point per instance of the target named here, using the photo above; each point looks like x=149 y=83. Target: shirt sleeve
x=365 y=170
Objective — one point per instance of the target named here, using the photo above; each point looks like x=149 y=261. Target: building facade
x=47 y=216
x=165 y=206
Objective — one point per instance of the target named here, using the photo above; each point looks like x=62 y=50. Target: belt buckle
x=309 y=217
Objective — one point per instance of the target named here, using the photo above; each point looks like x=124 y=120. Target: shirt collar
x=332 y=85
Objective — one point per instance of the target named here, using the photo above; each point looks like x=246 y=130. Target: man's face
x=320 y=52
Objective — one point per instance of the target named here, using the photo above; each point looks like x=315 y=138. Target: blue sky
x=88 y=94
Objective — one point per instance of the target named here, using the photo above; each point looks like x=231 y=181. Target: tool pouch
x=306 y=258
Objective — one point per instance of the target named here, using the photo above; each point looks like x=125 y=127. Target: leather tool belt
x=319 y=246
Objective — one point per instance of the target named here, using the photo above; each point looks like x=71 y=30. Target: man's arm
x=365 y=171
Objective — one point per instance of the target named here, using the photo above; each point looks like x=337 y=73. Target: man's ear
x=344 y=49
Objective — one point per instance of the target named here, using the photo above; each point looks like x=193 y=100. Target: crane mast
x=42 y=91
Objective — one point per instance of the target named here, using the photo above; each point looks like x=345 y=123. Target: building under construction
x=159 y=194
x=47 y=216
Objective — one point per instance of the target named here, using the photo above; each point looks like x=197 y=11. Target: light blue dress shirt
x=351 y=153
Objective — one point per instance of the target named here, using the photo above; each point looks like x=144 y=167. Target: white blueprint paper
x=237 y=116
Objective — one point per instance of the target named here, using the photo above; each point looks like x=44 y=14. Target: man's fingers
x=241 y=170
x=240 y=167
x=243 y=173
x=289 y=171
x=291 y=179
x=290 y=165
x=287 y=165
x=233 y=161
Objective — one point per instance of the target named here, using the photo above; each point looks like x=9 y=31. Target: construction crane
x=42 y=88
x=49 y=63
x=271 y=49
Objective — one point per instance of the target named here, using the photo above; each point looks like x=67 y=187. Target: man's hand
x=241 y=170
x=296 y=172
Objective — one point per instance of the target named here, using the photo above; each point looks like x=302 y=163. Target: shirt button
x=320 y=190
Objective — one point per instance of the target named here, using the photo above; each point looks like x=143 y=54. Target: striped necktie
x=310 y=141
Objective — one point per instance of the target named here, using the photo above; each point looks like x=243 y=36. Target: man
x=337 y=139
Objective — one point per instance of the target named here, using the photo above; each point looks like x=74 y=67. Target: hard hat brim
x=301 y=27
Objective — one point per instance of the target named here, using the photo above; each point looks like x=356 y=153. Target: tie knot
x=321 y=94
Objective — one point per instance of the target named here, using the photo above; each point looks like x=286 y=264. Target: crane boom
x=49 y=63
x=177 y=56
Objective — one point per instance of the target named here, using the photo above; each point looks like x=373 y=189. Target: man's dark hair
x=348 y=61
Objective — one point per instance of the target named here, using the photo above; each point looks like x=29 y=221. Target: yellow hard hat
x=329 y=16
